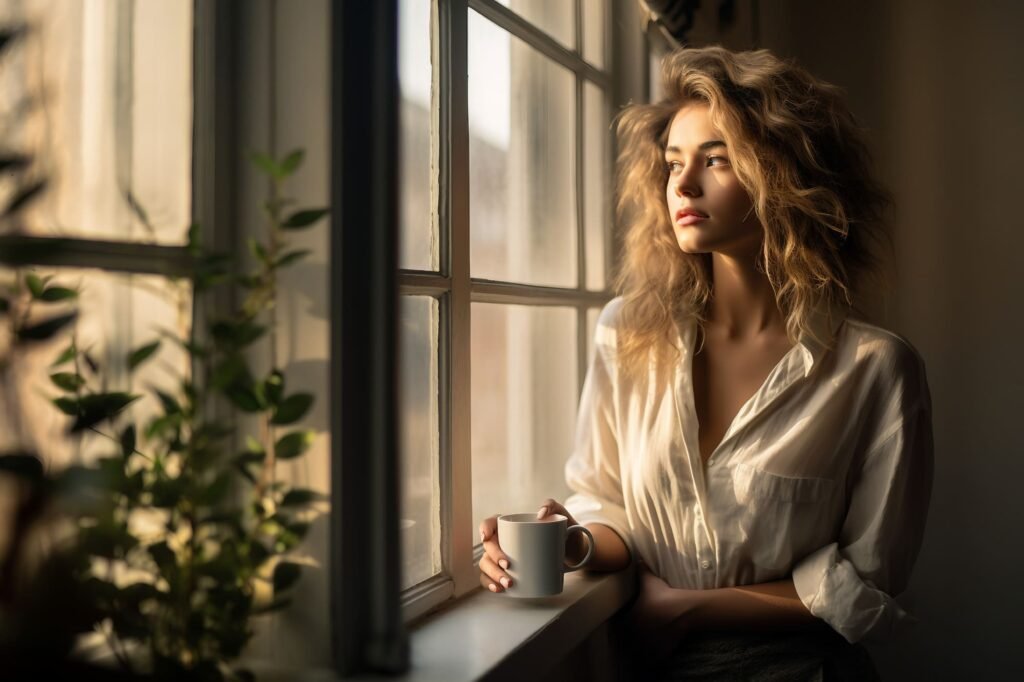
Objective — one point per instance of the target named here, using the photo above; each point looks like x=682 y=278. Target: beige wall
x=938 y=85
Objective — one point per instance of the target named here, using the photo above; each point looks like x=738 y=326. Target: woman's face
x=709 y=208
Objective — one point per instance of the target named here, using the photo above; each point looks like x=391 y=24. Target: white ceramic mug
x=536 y=552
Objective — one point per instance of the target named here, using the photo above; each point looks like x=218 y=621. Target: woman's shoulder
x=891 y=355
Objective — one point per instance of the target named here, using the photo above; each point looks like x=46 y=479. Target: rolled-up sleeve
x=592 y=471
x=851 y=584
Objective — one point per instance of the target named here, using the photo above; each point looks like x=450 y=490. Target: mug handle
x=590 y=547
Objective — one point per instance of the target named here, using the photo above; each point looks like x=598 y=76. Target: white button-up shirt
x=824 y=474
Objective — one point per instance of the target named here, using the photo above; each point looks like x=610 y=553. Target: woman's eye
x=717 y=161
x=673 y=166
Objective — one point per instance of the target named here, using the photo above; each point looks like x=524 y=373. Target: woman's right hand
x=494 y=562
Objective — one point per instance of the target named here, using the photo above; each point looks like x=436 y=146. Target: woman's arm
x=764 y=606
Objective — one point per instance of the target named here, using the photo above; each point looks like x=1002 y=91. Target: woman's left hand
x=660 y=616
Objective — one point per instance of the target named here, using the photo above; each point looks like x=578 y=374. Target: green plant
x=176 y=529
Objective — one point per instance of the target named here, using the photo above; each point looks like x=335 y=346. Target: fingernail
x=492 y=587
x=482 y=536
x=542 y=513
x=506 y=582
x=503 y=563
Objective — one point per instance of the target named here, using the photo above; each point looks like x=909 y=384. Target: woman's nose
x=687 y=186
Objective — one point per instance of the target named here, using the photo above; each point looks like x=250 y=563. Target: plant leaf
x=303 y=218
x=291 y=162
x=266 y=164
x=66 y=355
x=293 y=408
x=47 y=328
x=35 y=285
x=258 y=250
x=273 y=387
x=128 y=440
x=92 y=409
x=244 y=398
x=68 y=406
x=290 y=257
x=141 y=354
x=55 y=294
x=24 y=465
x=286 y=574
x=300 y=497
x=293 y=444
x=69 y=381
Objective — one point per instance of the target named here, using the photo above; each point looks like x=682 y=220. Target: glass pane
x=597 y=208
x=524 y=395
x=595 y=22
x=421 y=533
x=116 y=314
x=418 y=245
x=521 y=161
x=111 y=123
x=554 y=18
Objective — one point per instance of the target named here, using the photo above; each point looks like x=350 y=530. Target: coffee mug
x=536 y=552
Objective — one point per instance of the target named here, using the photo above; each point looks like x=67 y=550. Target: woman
x=761 y=452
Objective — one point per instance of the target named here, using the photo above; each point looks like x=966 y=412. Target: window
x=505 y=226
x=100 y=96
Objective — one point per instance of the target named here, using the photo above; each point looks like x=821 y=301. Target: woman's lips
x=690 y=219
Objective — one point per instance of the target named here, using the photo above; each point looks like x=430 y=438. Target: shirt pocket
x=779 y=519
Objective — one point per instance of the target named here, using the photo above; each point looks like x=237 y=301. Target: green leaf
x=128 y=440
x=66 y=355
x=290 y=257
x=69 y=381
x=244 y=398
x=47 y=328
x=293 y=444
x=193 y=244
x=68 y=406
x=303 y=218
x=215 y=492
x=286 y=574
x=291 y=162
x=258 y=250
x=236 y=333
x=170 y=404
x=92 y=409
x=301 y=496
x=292 y=409
x=55 y=294
x=141 y=354
x=163 y=556
x=266 y=164
x=35 y=285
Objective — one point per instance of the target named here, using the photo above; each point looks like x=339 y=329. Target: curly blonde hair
x=800 y=154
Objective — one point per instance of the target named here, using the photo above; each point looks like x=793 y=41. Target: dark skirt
x=813 y=656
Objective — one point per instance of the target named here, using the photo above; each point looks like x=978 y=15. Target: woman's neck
x=743 y=304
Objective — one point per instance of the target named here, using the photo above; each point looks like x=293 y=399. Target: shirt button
x=705 y=564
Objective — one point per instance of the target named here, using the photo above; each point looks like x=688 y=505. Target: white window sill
x=486 y=634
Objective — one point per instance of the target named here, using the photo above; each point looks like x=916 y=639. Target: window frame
x=454 y=288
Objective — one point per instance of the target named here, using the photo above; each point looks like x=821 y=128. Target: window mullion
x=456 y=491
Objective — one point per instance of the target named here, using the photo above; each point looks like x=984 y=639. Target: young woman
x=761 y=452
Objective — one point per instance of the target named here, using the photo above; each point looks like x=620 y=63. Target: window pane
x=421 y=539
x=554 y=18
x=418 y=244
x=116 y=314
x=521 y=161
x=595 y=17
x=592 y=316
x=524 y=397
x=112 y=125
x=596 y=174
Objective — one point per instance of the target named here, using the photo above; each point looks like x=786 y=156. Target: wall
x=937 y=84
x=284 y=104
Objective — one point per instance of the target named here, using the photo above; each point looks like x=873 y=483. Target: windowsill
x=487 y=634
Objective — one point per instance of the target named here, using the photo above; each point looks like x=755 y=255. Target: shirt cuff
x=831 y=589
